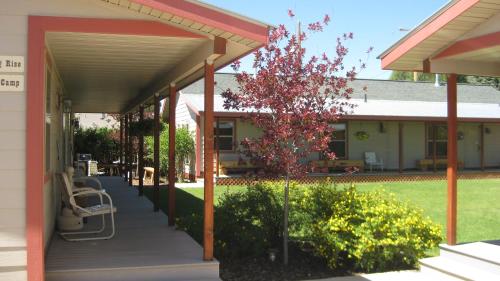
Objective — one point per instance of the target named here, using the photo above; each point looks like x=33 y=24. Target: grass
x=478 y=203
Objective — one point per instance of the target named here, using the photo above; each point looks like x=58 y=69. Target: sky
x=374 y=23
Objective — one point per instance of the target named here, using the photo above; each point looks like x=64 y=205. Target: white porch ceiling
x=104 y=73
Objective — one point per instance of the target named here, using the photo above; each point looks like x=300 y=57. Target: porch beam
x=208 y=141
x=130 y=151
x=125 y=170
x=156 y=153
x=451 y=229
x=469 y=45
x=210 y=50
x=140 y=160
x=461 y=67
x=171 y=154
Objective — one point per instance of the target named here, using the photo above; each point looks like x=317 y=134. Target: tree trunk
x=285 y=220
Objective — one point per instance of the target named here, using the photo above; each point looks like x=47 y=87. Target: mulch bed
x=302 y=266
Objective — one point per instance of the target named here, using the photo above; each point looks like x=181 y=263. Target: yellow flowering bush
x=364 y=231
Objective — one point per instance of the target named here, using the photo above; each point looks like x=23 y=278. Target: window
x=437 y=136
x=225 y=138
x=338 y=140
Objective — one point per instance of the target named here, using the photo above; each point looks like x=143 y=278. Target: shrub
x=100 y=142
x=249 y=222
x=184 y=147
x=363 y=231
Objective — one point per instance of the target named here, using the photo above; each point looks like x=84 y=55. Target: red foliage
x=294 y=99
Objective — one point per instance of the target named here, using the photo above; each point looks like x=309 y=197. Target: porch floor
x=144 y=247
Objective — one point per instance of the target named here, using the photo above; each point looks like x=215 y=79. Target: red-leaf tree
x=293 y=98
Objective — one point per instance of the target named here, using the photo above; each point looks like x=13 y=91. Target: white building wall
x=13 y=34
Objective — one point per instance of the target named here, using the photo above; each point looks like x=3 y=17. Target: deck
x=144 y=247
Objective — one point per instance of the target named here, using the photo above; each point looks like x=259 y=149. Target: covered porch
x=142 y=53
x=144 y=248
x=462 y=38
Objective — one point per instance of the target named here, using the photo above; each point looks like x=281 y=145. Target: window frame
x=345 y=140
x=428 y=139
x=216 y=136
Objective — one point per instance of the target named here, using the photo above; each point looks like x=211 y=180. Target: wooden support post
x=171 y=155
x=120 y=166
x=130 y=151
x=451 y=229
x=434 y=148
x=156 y=153
x=125 y=169
x=400 y=147
x=140 y=161
x=217 y=145
x=481 y=146
x=208 y=218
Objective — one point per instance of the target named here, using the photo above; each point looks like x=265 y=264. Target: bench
x=227 y=167
x=324 y=166
x=149 y=173
x=423 y=164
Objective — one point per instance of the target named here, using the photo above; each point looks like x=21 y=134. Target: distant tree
x=430 y=77
x=100 y=142
x=294 y=101
x=184 y=147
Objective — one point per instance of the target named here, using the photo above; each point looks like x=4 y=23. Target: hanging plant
x=362 y=135
x=144 y=127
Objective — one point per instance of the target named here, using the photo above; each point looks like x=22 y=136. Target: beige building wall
x=413 y=143
x=13 y=34
x=492 y=145
x=384 y=142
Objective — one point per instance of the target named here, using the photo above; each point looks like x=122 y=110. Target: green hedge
x=351 y=230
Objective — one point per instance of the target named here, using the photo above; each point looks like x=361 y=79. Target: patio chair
x=100 y=209
x=82 y=180
x=372 y=161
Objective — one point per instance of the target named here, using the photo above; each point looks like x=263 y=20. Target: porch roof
x=164 y=43
x=463 y=37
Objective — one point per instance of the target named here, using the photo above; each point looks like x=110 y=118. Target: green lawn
x=478 y=203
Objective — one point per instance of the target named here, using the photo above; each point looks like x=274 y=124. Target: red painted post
x=140 y=161
x=208 y=218
x=156 y=153
x=451 y=230
x=171 y=155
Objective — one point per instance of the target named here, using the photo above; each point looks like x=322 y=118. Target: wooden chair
x=100 y=209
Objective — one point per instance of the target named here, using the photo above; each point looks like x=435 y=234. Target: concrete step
x=197 y=272
x=484 y=256
x=456 y=269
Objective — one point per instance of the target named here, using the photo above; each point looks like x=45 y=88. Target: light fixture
x=67 y=106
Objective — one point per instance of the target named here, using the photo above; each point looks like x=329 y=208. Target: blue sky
x=374 y=23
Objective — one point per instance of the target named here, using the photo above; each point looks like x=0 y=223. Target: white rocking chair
x=83 y=212
x=372 y=161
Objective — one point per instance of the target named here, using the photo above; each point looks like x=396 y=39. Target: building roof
x=462 y=38
x=383 y=98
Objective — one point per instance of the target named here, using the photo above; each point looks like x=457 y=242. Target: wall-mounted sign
x=11 y=83
x=12 y=64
